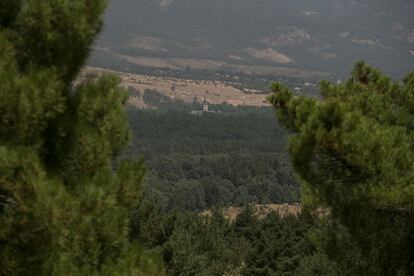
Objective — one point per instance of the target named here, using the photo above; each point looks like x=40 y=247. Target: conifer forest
x=268 y=155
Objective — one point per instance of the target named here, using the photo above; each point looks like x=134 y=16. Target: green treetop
x=63 y=210
x=354 y=151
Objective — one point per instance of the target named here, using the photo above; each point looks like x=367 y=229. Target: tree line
x=233 y=157
x=69 y=206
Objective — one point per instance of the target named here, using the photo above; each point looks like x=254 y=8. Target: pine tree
x=63 y=208
x=354 y=151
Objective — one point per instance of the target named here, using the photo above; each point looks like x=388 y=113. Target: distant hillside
x=239 y=35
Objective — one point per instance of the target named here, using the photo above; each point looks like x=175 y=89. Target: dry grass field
x=261 y=210
x=216 y=92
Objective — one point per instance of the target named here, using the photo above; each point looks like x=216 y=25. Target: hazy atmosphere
x=319 y=35
x=207 y=137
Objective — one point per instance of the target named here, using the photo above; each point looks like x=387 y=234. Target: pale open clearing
x=215 y=92
x=261 y=210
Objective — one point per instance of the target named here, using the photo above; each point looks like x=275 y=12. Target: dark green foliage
x=220 y=180
x=354 y=151
x=279 y=245
x=44 y=30
x=9 y=9
x=192 y=244
x=217 y=159
x=63 y=210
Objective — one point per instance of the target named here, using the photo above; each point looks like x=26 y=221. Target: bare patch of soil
x=261 y=210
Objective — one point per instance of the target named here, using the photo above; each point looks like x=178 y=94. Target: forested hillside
x=90 y=185
x=353 y=151
x=234 y=156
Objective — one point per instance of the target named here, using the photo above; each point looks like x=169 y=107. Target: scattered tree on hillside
x=354 y=150
x=63 y=210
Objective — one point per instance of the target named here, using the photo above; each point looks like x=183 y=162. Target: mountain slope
x=320 y=35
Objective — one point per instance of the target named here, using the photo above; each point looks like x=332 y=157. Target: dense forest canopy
x=230 y=156
x=72 y=195
x=194 y=245
x=353 y=150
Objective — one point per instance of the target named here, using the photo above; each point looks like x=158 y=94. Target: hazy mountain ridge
x=321 y=35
